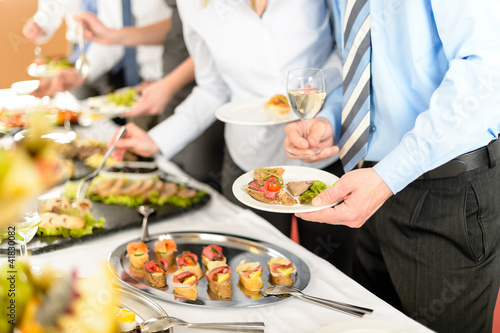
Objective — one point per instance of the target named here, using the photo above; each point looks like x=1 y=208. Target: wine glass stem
x=23 y=250
x=303 y=123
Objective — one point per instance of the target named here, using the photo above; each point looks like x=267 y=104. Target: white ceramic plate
x=366 y=326
x=249 y=112
x=25 y=87
x=292 y=173
x=101 y=105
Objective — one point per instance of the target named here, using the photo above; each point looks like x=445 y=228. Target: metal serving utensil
x=163 y=323
x=145 y=211
x=83 y=186
x=81 y=64
x=287 y=291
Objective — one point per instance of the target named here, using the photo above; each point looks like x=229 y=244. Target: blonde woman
x=242 y=50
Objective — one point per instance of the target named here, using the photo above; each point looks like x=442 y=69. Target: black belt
x=486 y=155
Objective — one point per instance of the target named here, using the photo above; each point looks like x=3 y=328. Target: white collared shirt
x=240 y=56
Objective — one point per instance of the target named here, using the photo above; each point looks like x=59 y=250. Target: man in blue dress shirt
x=428 y=193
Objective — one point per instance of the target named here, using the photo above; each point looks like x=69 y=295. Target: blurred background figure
x=112 y=66
x=202 y=158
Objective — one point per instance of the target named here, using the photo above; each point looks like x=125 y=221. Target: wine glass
x=24 y=228
x=306 y=93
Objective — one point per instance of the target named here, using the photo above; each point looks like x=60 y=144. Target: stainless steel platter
x=235 y=248
x=143 y=307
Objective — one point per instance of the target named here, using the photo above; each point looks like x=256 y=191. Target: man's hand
x=153 y=100
x=65 y=79
x=135 y=140
x=94 y=30
x=32 y=30
x=363 y=192
x=320 y=134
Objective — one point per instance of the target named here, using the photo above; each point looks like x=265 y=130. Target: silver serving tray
x=235 y=248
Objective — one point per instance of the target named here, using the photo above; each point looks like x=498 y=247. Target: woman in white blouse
x=242 y=50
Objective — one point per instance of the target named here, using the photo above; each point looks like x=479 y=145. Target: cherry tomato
x=189 y=261
x=273 y=187
x=157 y=269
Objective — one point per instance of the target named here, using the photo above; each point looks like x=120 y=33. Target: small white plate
x=366 y=326
x=25 y=87
x=249 y=112
x=292 y=173
x=101 y=105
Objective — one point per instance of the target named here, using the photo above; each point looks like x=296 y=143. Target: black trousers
x=433 y=251
x=334 y=243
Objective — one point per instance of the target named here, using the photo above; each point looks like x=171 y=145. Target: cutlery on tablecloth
x=83 y=186
x=163 y=323
x=287 y=291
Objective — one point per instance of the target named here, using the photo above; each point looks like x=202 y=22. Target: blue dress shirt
x=435 y=83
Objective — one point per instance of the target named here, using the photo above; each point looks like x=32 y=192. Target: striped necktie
x=356 y=72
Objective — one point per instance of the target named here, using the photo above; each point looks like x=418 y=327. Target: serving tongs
x=287 y=291
x=162 y=324
x=83 y=186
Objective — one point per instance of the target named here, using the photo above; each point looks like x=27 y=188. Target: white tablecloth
x=291 y=315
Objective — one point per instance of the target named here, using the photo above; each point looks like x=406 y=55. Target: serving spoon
x=81 y=64
x=287 y=291
x=162 y=324
x=145 y=211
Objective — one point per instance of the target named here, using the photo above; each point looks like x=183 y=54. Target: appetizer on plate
x=189 y=261
x=164 y=249
x=212 y=253
x=138 y=255
x=278 y=108
x=127 y=322
x=184 y=283
x=219 y=279
x=267 y=186
x=250 y=275
x=281 y=270
x=156 y=273
x=63 y=217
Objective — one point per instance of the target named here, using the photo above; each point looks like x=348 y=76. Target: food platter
x=118 y=217
x=235 y=248
x=249 y=112
x=292 y=173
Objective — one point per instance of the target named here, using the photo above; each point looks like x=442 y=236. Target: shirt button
x=373 y=128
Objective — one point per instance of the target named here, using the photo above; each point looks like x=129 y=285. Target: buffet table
x=219 y=215
x=90 y=258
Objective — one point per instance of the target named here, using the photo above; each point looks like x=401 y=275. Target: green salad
x=316 y=188
x=123 y=98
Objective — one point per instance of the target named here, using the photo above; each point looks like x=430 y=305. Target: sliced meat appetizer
x=281 y=270
x=189 y=261
x=165 y=249
x=250 y=275
x=156 y=273
x=219 y=279
x=212 y=253
x=184 y=283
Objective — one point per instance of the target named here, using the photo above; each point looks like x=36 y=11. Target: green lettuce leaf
x=316 y=188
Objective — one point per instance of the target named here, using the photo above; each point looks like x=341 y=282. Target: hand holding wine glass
x=306 y=93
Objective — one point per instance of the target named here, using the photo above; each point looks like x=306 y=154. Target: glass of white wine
x=306 y=93
x=23 y=229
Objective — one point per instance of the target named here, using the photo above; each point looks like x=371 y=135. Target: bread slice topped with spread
x=164 y=249
x=189 y=261
x=212 y=253
x=267 y=186
x=184 y=283
x=156 y=271
x=278 y=108
x=250 y=275
x=281 y=270
x=219 y=279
